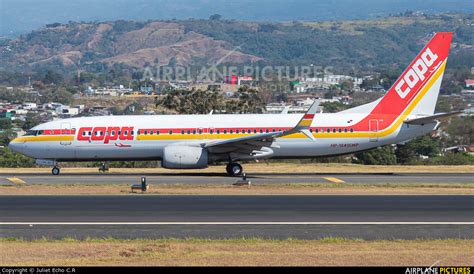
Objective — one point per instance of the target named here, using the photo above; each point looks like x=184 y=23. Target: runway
x=283 y=216
x=257 y=178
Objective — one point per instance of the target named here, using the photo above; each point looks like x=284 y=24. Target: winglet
x=305 y=122
x=308 y=117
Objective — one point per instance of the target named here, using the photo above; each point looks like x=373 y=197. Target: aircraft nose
x=16 y=146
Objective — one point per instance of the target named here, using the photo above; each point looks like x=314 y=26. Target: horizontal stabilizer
x=431 y=118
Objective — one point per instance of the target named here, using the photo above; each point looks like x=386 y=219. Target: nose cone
x=16 y=146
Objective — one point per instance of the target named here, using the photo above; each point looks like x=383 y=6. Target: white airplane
x=406 y=111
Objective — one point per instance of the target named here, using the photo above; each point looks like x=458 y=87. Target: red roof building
x=469 y=83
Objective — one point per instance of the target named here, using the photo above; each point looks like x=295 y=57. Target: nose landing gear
x=55 y=170
x=234 y=169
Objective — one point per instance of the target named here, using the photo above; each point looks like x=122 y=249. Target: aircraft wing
x=252 y=142
x=431 y=118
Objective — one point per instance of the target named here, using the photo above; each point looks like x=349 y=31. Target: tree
x=215 y=17
x=56 y=94
x=6 y=136
x=250 y=101
x=460 y=131
x=11 y=159
x=5 y=123
x=332 y=107
x=52 y=77
x=347 y=85
x=192 y=102
x=424 y=145
x=381 y=156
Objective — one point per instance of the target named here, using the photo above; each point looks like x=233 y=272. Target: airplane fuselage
x=144 y=137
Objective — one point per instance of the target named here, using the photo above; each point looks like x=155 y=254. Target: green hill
x=359 y=44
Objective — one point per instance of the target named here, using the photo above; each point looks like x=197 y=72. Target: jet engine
x=182 y=157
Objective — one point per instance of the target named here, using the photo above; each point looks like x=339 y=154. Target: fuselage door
x=374 y=129
x=66 y=133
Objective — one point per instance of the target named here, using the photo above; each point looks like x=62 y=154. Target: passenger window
x=170 y=132
x=352 y=130
x=225 y=131
x=345 y=130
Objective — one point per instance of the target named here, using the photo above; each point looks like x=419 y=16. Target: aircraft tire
x=55 y=170
x=234 y=169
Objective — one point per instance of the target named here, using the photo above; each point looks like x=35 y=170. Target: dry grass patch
x=265 y=168
x=237 y=252
x=226 y=189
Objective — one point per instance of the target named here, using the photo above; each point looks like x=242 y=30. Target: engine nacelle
x=182 y=157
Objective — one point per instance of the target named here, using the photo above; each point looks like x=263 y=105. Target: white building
x=30 y=106
x=67 y=111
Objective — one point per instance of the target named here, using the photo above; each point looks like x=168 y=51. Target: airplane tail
x=416 y=91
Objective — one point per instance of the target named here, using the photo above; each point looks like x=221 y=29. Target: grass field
x=270 y=189
x=236 y=252
x=267 y=168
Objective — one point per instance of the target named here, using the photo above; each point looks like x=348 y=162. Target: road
x=306 y=217
x=257 y=178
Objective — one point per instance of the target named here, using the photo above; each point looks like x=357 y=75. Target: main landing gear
x=234 y=169
x=55 y=170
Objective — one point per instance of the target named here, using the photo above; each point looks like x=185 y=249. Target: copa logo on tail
x=416 y=73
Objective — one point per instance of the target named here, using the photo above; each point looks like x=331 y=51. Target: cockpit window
x=31 y=133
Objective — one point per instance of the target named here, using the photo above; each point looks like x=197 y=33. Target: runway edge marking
x=334 y=180
x=236 y=223
x=16 y=180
